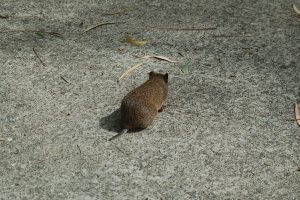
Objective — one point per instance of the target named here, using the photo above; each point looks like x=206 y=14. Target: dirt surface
x=228 y=129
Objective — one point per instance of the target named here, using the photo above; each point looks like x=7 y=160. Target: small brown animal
x=140 y=106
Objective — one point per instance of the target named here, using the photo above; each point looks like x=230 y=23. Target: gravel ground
x=228 y=130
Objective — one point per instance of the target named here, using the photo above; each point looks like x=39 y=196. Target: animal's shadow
x=112 y=123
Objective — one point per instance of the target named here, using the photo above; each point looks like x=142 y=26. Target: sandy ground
x=228 y=130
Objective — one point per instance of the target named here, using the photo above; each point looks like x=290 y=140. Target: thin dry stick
x=3 y=16
x=56 y=34
x=296 y=8
x=115 y=136
x=2 y=139
x=37 y=55
x=124 y=11
x=129 y=70
x=247 y=35
x=184 y=29
x=161 y=58
x=297 y=114
x=102 y=24
x=64 y=79
x=79 y=149
x=121 y=150
x=116 y=13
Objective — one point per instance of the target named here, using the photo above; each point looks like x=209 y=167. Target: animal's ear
x=151 y=74
x=166 y=77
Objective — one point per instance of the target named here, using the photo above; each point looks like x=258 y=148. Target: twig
x=247 y=35
x=125 y=11
x=184 y=29
x=296 y=8
x=116 y=13
x=78 y=148
x=129 y=70
x=37 y=55
x=3 y=16
x=121 y=150
x=102 y=24
x=297 y=114
x=2 y=139
x=180 y=53
x=115 y=136
x=56 y=34
x=64 y=79
x=161 y=58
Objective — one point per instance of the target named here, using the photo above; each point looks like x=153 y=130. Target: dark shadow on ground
x=111 y=122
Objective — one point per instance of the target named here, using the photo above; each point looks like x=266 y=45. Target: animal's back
x=136 y=113
x=140 y=106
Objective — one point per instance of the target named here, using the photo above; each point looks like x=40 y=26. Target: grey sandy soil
x=227 y=131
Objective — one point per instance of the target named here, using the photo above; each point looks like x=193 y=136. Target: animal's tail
x=119 y=134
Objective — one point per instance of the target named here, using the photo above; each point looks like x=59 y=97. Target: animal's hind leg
x=162 y=108
x=147 y=118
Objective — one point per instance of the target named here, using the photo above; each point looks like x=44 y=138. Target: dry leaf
x=129 y=70
x=296 y=8
x=161 y=58
x=136 y=42
x=297 y=114
x=41 y=35
x=185 y=67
